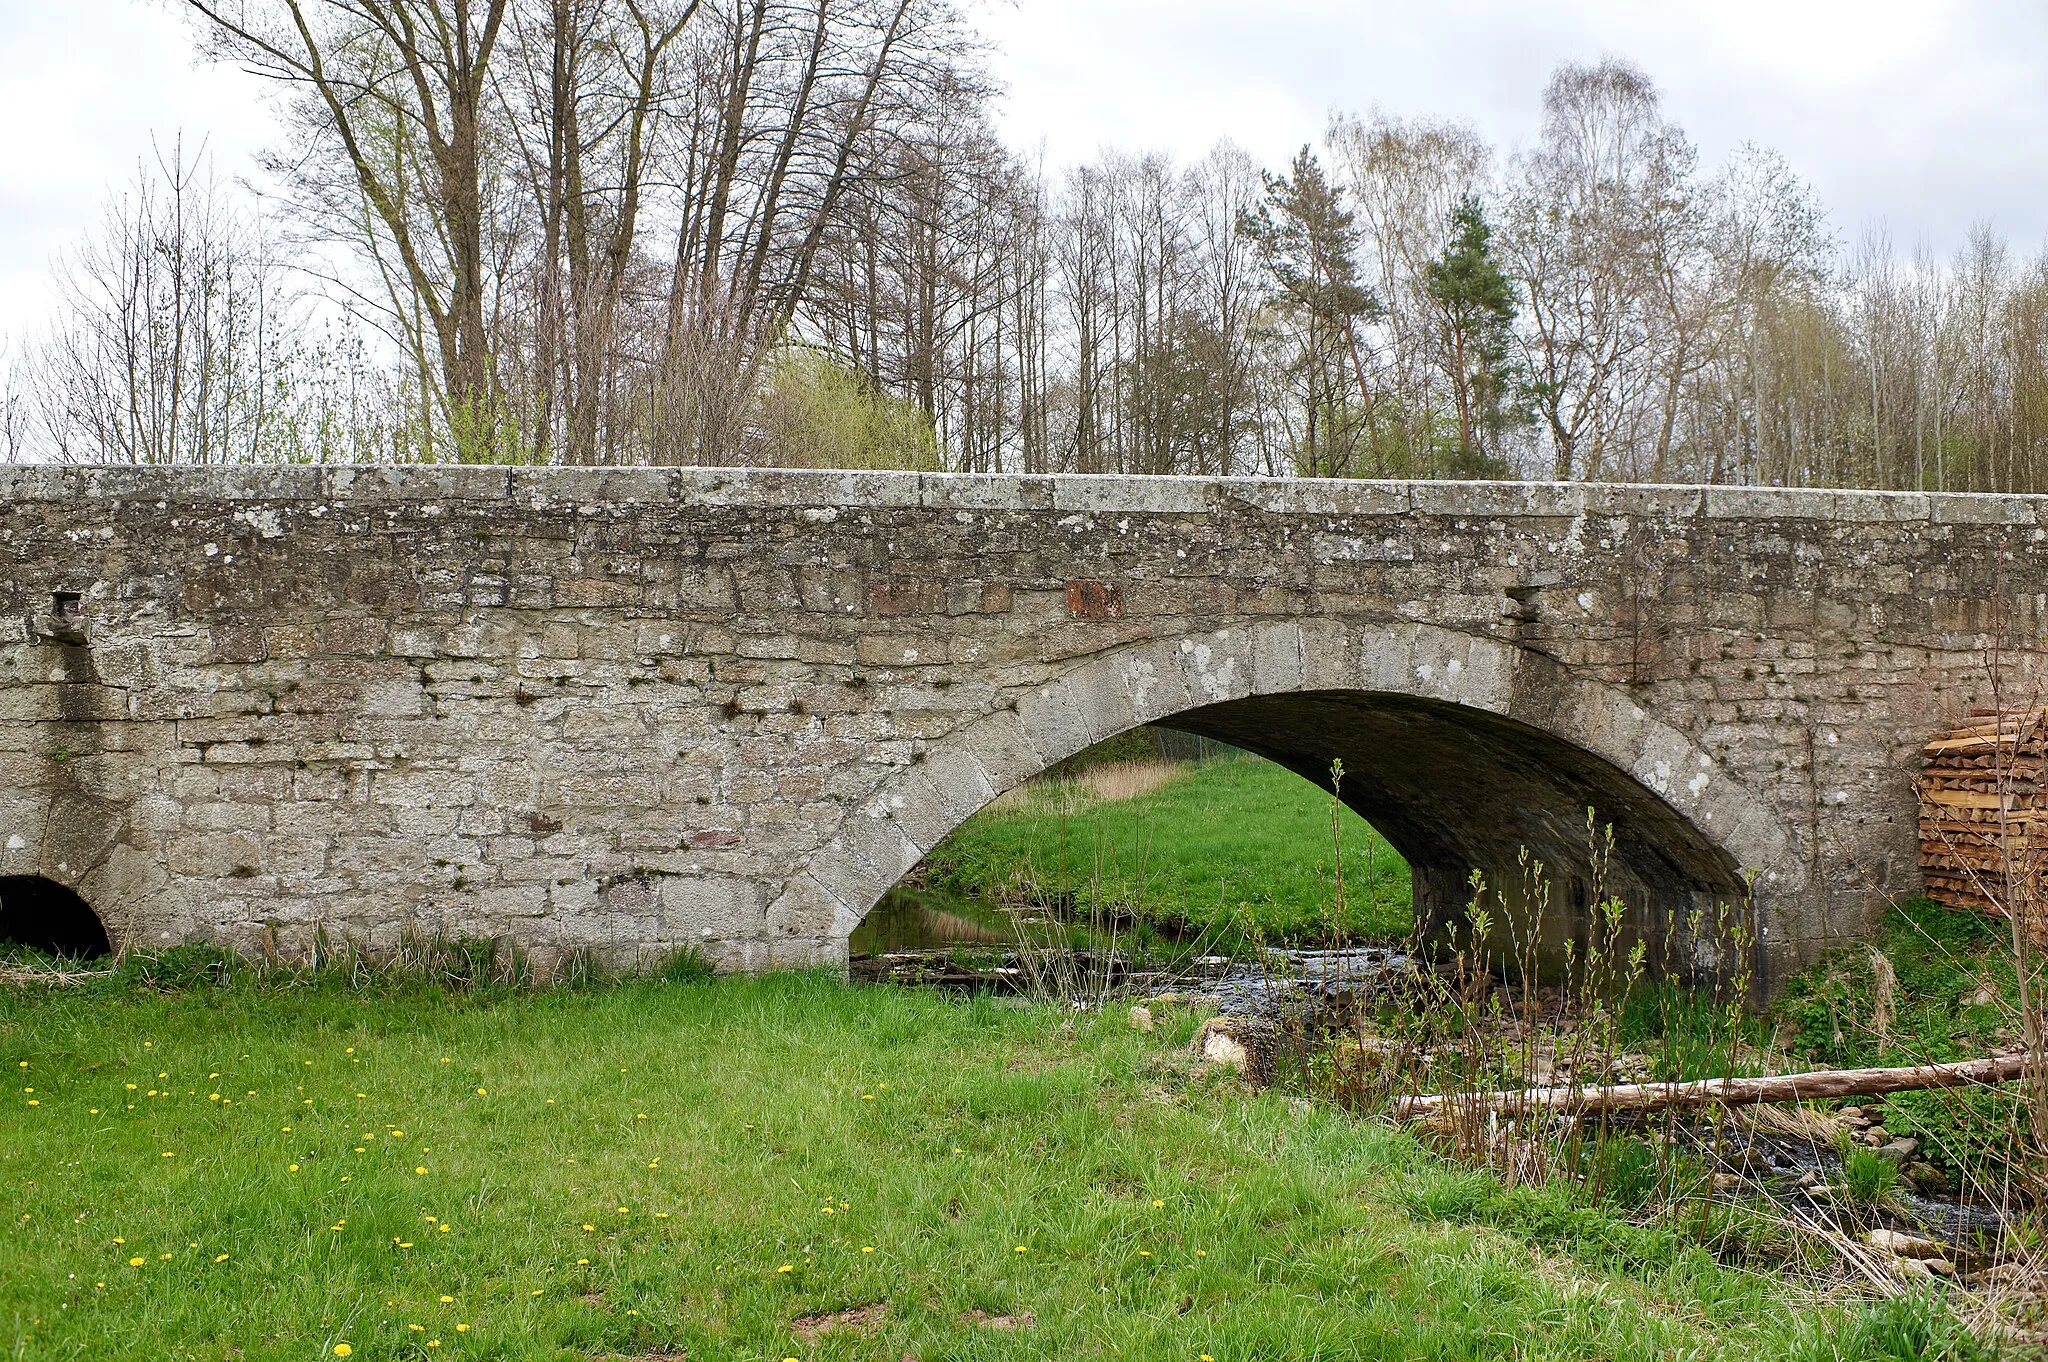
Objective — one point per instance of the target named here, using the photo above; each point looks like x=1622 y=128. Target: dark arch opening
x=1456 y=789
x=45 y=916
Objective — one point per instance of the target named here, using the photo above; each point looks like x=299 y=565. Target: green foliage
x=817 y=413
x=1912 y=1328
x=1239 y=844
x=1161 y=1213
x=1868 y=1178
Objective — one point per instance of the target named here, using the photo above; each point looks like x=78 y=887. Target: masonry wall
x=627 y=710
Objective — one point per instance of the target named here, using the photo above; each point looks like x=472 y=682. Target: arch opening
x=1456 y=790
x=43 y=915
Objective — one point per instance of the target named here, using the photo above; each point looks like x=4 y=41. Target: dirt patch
x=859 y=1320
x=982 y=1319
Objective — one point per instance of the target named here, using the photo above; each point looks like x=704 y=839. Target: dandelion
x=1157 y=1205
x=221 y=1259
x=92 y=1111
x=33 y=1102
x=583 y=1262
x=661 y=1215
x=464 y=1328
x=866 y=1249
x=293 y=1169
x=536 y=1293
x=342 y=1350
x=447 y=1300
x=416 y=1328
x=170 y=1153
x=135 y=1262
x=1201 y=1253
x=120 y=1241
x=1022 y=1249
x=640 y=1116
x=787 y=1267
x=433 y=1343
x=444 y=1059
x=824 y=1210
x=405 y=1245
x=622 y=1210
x=588 y=1228
x=165 y=1256
x=482 y=1092
x=421 y=1170
x=444 y=1229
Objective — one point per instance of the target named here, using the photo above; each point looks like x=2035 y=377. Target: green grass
x=1239 y=843
x=644 y=1170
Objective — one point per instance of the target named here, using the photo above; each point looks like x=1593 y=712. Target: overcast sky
x=1927 y=115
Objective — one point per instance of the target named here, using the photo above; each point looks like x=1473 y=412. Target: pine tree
x=1308 y=241
x=1478 y=307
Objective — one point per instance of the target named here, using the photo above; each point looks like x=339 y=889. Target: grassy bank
x=1240 y=844
x=718 y=1170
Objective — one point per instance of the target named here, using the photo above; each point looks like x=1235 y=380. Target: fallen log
x=1727 y=1092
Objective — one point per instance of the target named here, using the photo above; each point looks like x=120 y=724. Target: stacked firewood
x=1984 y=814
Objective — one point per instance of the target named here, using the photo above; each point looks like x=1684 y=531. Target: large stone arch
x=1675 y=801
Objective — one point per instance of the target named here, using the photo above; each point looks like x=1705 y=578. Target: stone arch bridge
x=630 y=710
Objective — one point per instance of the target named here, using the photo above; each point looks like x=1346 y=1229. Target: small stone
x=1941 y=1267
x=1726 y=1182
x=1898 y=1151
x=1901 y=1244
x=1141 y=1018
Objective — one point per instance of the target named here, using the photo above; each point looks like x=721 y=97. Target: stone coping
x=601 y=489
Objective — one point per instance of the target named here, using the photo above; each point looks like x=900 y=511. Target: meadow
x=1238 y=846
x=252 y=1166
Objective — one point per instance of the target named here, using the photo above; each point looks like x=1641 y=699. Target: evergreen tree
x=1478 y=307
x=1308 y=242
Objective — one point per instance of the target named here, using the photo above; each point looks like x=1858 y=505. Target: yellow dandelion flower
x=342 y=1350
x=293 y=1169
x=92 y=1111
x=135 y=1262
x=1144 y=1253
x=405 y=1245
x=221 y=1259
x=417 y=1328
x=421 y=1170
x=787 y=1267
x=170 y=1154
x=462 y=1328
x=866 y=1249
x=1022 y=1249
x=1201 y=1253
x=622 y=1210
x=824 y=1210
x=447 y=1300
x=120 y=1241
x=483 y=1092
x=536 y=1293
x=32 y=1102
x=588 y=1228
x=1157 y=1205
x=165 y=1256
x=444 y=1229
x=433 y=1343
x=583 y=1262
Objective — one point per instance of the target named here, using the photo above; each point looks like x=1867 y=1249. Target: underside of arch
x=1456 y=790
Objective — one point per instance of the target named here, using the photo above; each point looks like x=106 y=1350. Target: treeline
x=785 y=232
